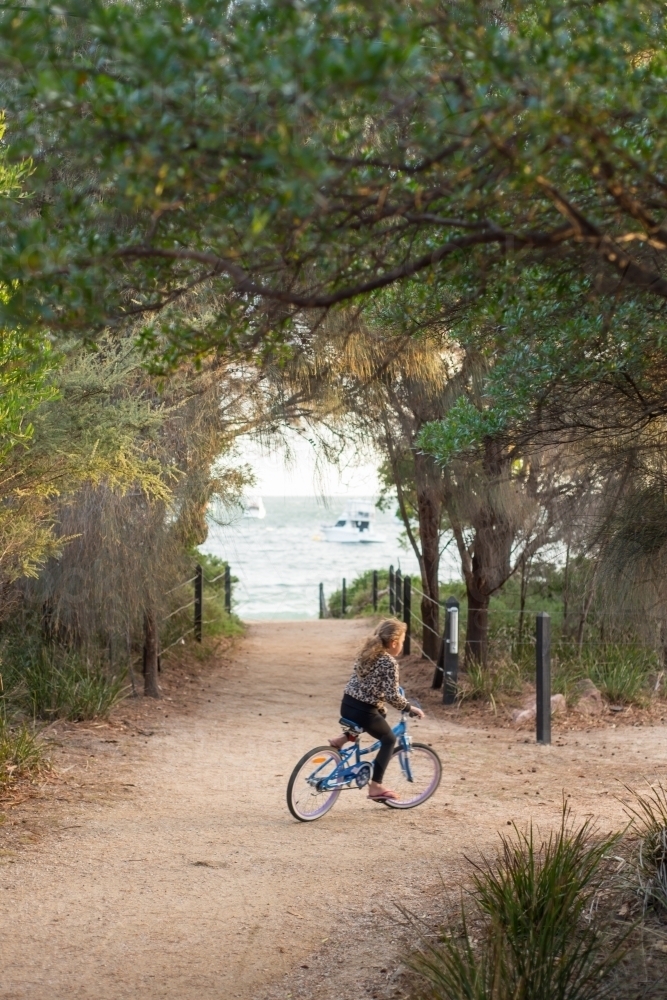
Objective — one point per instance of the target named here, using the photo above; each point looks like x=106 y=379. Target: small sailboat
x=254 y=507
x=355 y=525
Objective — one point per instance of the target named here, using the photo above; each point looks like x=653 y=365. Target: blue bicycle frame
x=353 y=772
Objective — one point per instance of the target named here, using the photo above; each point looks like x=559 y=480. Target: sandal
x=384 y=796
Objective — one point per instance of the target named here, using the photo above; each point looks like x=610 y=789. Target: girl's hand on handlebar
x=416 y=712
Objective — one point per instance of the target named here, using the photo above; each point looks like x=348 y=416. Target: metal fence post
x=375 y=590
x=543 y=676
x=321 y=600
x=228 y=589
x=451 y=652
x=398 y=594
x=392 y=591
x=407 y=613
x=343 y=600
x=199 y=600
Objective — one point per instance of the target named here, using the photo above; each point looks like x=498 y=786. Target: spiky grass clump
x=481 y=683
x=621 y=679
x=64 y=685
x=649 y=816
x=21 y=753
x=536 y=936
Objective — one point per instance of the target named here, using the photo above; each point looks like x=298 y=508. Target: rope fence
x=524 y=642
x=197 y=603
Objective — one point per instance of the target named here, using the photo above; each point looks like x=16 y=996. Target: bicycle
x=414 y=772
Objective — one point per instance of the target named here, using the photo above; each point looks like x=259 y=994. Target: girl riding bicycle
x=374 y=681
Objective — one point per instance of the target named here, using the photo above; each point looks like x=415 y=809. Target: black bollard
x=543 y=677
x=451 y=652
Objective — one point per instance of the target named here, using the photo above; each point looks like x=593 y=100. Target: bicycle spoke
x=306 y=799
x=414 y=775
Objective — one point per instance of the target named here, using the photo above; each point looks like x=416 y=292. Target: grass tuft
x=480 y=683
x=57 y=684
x=649 y=816
x=21 y=753
x=529 y=932
x=621 y=677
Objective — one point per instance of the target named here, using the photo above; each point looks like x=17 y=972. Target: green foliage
x=22 y=753
x=217 y=621
x=537 y=933
x=359 y=596
x=483 y=683
x=49 y=682
x=649 y=818
x=621 y=673
x=310 y=153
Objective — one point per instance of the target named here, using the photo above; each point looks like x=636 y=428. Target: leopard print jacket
x=379 y=684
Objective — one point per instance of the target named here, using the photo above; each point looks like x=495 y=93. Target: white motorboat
x=254 y=507
x=354 y=525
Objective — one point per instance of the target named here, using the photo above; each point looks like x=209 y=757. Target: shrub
x=649 y=817
x=532 y=919
x=480 y=683
x=55 y=683
x=359 y=596
x=621 y=673
x=21 y=753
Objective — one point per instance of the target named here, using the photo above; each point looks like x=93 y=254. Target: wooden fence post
x=151 y=654
x=375 y=590
x=407 y=613
x=398 y=594
x=392 y=591
x=199 y=601
x=322 y=604
x=343 y=600
x=228 y=589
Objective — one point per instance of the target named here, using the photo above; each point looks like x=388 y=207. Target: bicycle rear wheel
x=414 y=776
x=307 y=801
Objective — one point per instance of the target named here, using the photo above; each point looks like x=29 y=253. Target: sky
x=306 y=474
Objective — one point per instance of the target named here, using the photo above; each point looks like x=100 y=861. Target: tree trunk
x=151 y=689
x=429 y=511
x=477 y=630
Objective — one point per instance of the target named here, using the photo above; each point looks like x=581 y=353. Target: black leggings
x=374 y=723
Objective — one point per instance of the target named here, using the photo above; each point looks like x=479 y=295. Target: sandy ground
x=164 y=863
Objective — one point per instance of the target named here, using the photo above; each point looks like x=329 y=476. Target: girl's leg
x=375 y=724
x=379 y=728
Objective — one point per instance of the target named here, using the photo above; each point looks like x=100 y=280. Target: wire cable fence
x=615 y=653
x=199 y=580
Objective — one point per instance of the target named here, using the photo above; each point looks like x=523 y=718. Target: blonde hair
x=387 y=631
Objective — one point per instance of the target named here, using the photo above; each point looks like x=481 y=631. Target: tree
x=134 y=462
x=280 y=157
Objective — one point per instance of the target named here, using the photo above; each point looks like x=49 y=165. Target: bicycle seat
x=350 y=727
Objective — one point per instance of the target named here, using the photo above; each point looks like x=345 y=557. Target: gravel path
x=184 y=876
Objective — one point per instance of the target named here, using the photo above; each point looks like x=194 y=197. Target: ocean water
x=280 y=561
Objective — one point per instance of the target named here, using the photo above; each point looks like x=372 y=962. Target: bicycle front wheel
x=306 y=799
x=414 y=775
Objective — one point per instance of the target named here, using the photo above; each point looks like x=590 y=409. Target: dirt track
x=188 y=878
